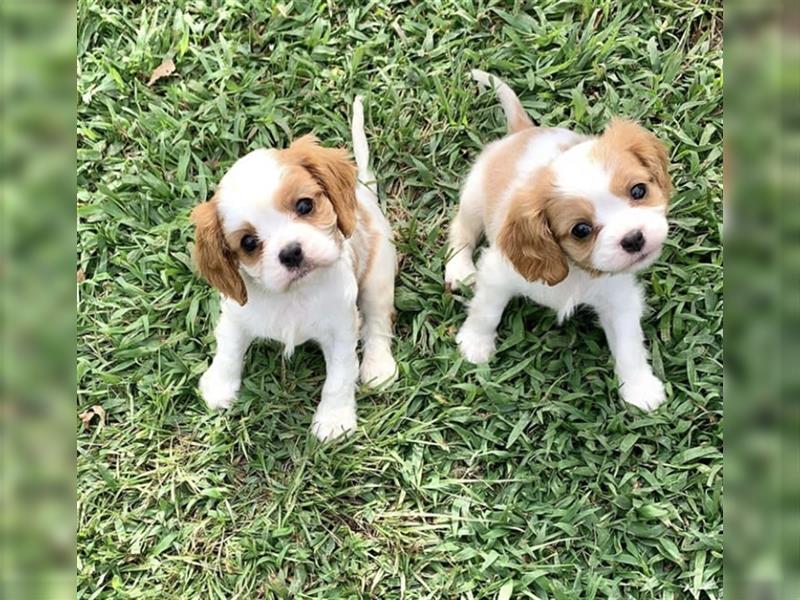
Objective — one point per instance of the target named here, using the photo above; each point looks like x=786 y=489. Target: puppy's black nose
x=633 y=242
x=291 y=255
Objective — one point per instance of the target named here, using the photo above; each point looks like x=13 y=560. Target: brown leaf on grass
x=165 y=69
x=81 y=276
x=87 y=416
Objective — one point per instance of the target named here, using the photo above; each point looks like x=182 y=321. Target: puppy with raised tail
x=569 y=220
x=296 y=243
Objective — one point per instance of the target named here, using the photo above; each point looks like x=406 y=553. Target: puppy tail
x=516 y=117
x=360 y=147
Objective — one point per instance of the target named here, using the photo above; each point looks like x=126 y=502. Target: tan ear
x=336 y=173
x=645 y=146
x=527 y=241
x=214 y=258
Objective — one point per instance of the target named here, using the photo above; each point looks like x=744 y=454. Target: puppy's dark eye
x=638 y=191
x=581 y=230
x=249 y=243
x=304 y=206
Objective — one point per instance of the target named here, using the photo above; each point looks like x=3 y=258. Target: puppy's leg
x=464 y=233
x=336 y=413
x=620 y=309
x=376 y=300
x=492 y=293
x=220 y=383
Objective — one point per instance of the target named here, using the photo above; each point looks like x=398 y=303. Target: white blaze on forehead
x=248 y=188
x=580 y=175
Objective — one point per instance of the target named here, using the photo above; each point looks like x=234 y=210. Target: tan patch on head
x=215 y=259
x=634 y=155
x=298 y=183
x=332 y=170
x=234 y=241
x=563 y=214
x=501 y=166
x=526 y=238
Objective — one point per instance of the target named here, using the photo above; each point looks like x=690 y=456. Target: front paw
x=330 y=423
x=378 y=369
x=645 y=391
x=460 y=270
x=217 y=390
x=476 y=347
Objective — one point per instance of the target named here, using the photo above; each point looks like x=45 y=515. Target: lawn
x=527 y=478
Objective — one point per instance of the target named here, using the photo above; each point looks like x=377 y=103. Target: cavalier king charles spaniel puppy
x=569 y=220
x=297 y=245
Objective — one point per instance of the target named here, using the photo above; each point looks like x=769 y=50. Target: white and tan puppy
x=297 y=245
x=569 y=220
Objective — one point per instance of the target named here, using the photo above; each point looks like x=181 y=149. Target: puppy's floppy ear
x=645 y=146
x=215 y=259
x=335 y=172
x=527 y=240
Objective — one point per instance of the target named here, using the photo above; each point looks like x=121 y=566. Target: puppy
x=297 y=245
x=569 y=220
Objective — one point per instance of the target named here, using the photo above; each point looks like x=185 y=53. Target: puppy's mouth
x=299 y=273
x=642 y=259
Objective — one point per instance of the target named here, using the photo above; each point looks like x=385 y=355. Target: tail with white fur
x=360 y=147
x=516 y=117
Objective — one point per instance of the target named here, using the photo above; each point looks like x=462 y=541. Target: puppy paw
x=459 y=271
x=645 y=392
x=378 y=369
x=477 y=348
x=218 y=391
x=330 y=423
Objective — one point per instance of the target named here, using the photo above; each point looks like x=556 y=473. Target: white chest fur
x=578 y=288
x=313 y=309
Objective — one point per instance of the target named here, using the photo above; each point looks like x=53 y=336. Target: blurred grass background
x=37 y=217
x=762 y=320
x=528 y=478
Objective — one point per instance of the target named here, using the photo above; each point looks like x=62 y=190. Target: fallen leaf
x=81 y=276
x=95 y=411
x=165 y=69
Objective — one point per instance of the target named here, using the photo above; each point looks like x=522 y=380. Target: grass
x=526 y=479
